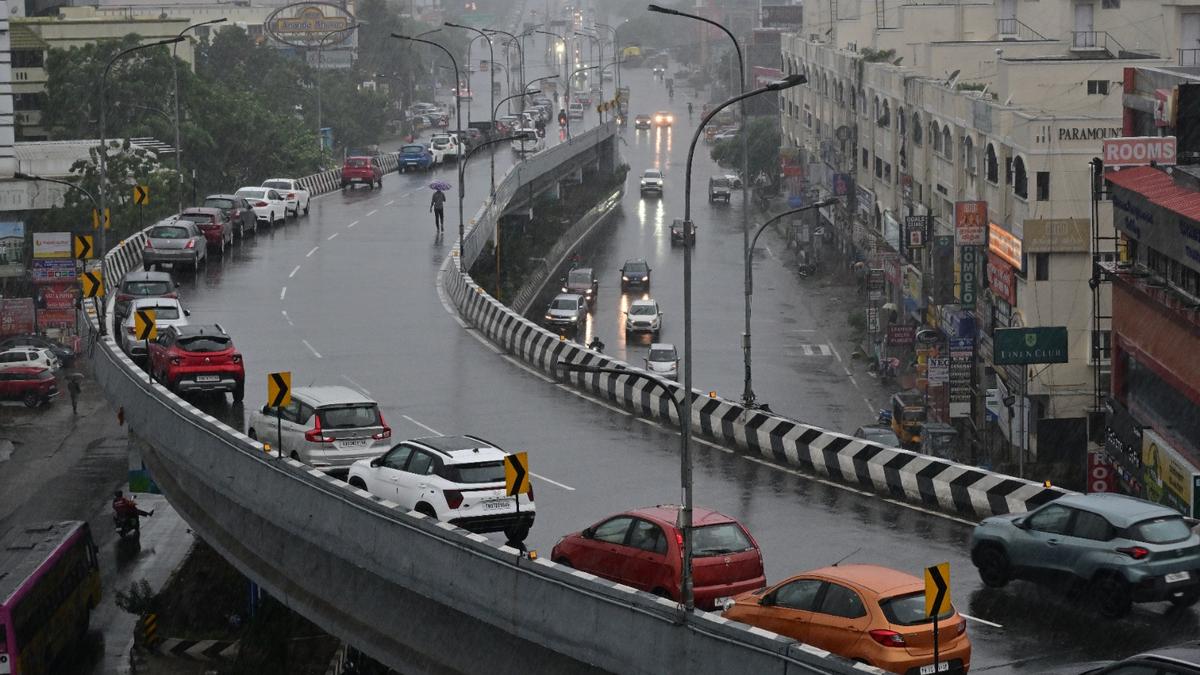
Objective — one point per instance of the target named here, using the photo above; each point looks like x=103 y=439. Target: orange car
x=862 y=612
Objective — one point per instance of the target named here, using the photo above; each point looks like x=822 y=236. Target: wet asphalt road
x=346 y=296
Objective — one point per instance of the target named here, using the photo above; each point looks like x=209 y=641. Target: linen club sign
x=1020 y=346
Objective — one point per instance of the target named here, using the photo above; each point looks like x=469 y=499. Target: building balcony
x=1189 y=57
x=1095 y=43
x=1152 y=288
x=1013 y=30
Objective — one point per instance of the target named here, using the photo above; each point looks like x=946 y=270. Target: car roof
x=152 y=275
x=222 y=196
x=569 y=296
x=192 y=330
x=206 y=210
x=667 y=514
x=360 y=157
x=651 y=171
x=635 y=261
x=580 y=270
x=256 y=188
x=661 y=345
x=878 y=579
x=332 y=394
x=644 y=301
x=463 y=448
x=1120 y=510
x=290 y=180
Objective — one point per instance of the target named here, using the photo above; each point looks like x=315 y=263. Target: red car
x=643 y=548
x=197 y=358
x=362 y=170
x=214 y=223
x=34 y=386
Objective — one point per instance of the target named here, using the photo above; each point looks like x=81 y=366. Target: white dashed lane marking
x=283 y=292
x=294 y=270
x=372 y=212
x=311 y=349
x=310 y=253
x=287 y=318
x=356 y=384
x=333 y=236
x=352 y=224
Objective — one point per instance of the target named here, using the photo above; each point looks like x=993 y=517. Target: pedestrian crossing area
x=816 y=350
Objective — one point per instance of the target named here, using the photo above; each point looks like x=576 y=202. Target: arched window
x=1020 y=179
x=969 y=161
x=901 y=122
x=935 y=136
x=991 y=166
x=947 y=142
x=841 y=94
x=885 y=115
x=917 y=129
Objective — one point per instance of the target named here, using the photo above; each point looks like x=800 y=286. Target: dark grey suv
x=1119 y=549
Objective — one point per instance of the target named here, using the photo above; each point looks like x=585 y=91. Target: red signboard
x=1001 y=279
x=16 y=316
x=1101 y=477
x=56 y=318
x=901 y=335
x=970 y=223
x=1139 y=151
x=891 y=268
x=58 y=296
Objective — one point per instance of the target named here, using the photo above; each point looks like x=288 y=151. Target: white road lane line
x=390 y=203
x=333 y=236
x=565 y=487
x=283 y=293
x=982 y=621
x=294 y=270
x=352 y=224
x=286 y=317
x=836 y=354
x=311 y=349
x=853 y=381
x=356 y=384
x=423 y=426
x=870 y=408
x=372 y=212
x=310 y=253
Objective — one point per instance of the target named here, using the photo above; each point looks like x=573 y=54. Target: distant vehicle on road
x=663 y=118
x=1181 y=659
x=582 y=281
x=663 y=360
x=327 y=427
x=362 y=169
x=635 y=273
x=218 y=231
x=295 y=194
x=878 y=433
x=446 y=144
x=143 y=284
x=269 y=206
x=719 y=188
x=167 y=312
x=643 y=122
x=28 y=357
x=32 y=385
x=651 y=182
x=567 y=310
x=174 y=242
x=456 y=479
x=194 y=358
x=644 y=316
x=237 y=209
x=64 y=354
x=415 y=157
x=575 y=110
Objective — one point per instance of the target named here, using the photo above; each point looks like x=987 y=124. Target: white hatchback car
x=295 y=195
x=269 y=206
x=663 y=360
x=644 y=316
x=457 y=479
x=28 y=357
x=447 y=144
x=167 y=312
x=329 y=428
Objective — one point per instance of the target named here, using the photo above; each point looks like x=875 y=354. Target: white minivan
x=329 y=428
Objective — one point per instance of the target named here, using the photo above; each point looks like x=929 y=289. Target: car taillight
x=148 y=244
x=130 y=330
x=191 y=243
x=531 y=492
x=236 y=358
x=314 y=434
x=291 y=195
x=454 y=498
x=887 y=638
x=260 y=204
x=962 y=628
x=679 y=538
x=124 y=297
x=1135 y=552
x=387 y=431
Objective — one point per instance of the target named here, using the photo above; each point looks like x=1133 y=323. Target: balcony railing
x=1095 y=40
x=1014 y=29
x=1189 y=57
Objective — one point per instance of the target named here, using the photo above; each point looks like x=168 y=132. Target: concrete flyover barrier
x=421 y=596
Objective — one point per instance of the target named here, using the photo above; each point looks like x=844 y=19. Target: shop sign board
x=1056 y=235
x=901 y=334
x=51 y=245
x=1139 y=151
x=970 y=223
x=939 y=370
x=1100 y=474
x=16 y=316
x=1169 y=477
x=1001 y=279
x=962 y=356
x=1019 y=346
x=54 y=271
x=968 y=276
x=1005 y=245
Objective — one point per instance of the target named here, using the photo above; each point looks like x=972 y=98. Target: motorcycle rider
x=596 y=344
x=125 y=508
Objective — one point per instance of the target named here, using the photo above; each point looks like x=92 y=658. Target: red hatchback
x=197 y=358
x=214 y=223
x=643 y=548
x=34 y=386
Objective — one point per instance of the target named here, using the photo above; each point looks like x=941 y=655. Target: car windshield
x=164 y=313
x=720 y=182
x=147 y=287
x=218 y=203
x=169 y=232
x=253 y=194
x=652 y=173
x=198 y=218
x=205 y=343
x=1164 y=530
x=413 y=149
x=480 y=472
x=278 y=185
x=349 y=416
x=643 y=310
x=721 y=539
x=662 y=354
x=635 y=268
x=909 y=610
x=578 y=278
x=564 y=303
x=878 y=435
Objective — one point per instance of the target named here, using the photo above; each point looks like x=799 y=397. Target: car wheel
x=426 y=510
x=252 y=434
x=517 y=533
x=146 y=267
x=993 y=566
x=1114 y=596
x=32 y=400
x=239 y=392
x=307 y=204
x=358 y=483
x=1185 y=600
x=564 y=562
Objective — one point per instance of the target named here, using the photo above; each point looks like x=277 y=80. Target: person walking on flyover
x=437 y=206
x=74 y=389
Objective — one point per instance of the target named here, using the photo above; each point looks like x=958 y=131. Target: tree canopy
x=764 y=141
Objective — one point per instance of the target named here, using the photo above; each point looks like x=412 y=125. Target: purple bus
x=49 y=583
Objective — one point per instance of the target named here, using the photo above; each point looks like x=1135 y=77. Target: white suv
x=328 y=428
x=458 y=479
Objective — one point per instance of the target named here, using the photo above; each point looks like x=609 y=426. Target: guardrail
x=397 y=584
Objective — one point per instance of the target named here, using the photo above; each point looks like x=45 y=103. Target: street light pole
x=571 y=77
x=685 y=418
x=175 y=76
x=320 y=52
x=563 y=42
x=491 y=89
x=748 y=389
x=102 y=205
x=458 y=117
x=513 y=40
x=615 y=56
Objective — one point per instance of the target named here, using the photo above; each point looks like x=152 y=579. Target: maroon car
x=34 y=386
x=237 y=209
x=643 y=548
x=214 y=223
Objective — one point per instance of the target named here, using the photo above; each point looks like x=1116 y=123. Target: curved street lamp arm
x=32 y=177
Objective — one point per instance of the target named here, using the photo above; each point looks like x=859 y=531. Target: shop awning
x=1159 y=188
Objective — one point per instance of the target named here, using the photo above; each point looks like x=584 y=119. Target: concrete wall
x=419 y=595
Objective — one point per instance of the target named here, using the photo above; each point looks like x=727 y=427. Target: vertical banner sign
x=962 y=356
x=970 y=223
x=943 y=270
x=872 y=320
x=968 y=264
x=915 y=232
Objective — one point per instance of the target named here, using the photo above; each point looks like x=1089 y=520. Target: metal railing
x=1189 y=57
x=1015 y=28
x=1098 y=40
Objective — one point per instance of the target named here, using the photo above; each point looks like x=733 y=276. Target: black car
x=237 y=209
x=65 y=354
x=1183 y=659
x=635 y=273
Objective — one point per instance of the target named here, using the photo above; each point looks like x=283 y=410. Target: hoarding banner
x=53 y=271
x=970 y=223
x=1170 y=478
x=1020 y=346
x=12 y=248
x=51 y=245
x=1001 y=279
x=1005 y=245
x=16 y=316
x=1139 y=151
x=968 y=280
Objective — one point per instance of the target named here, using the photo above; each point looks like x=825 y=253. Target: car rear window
x=721 y=539
x=162 y=313
x=278 y=185
x=219 y=203
x=169 y=232
x=481 y=472
x=198 y=218
x=909 y=610
x=147 y=287
x=253 y=194
x=413 y=149
x=1164 y=530
x=349 y=416
x=356 y=163
x=205 y=343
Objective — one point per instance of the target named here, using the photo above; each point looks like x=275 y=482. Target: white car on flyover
x=295 y=194
x=269 y=206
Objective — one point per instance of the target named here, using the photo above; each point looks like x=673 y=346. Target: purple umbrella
x=440 y=185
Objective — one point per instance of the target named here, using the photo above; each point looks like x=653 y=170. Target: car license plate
x=1177 y=576
x=208 y=378
x=496 y=504
x=942 y=667
x=353 y=442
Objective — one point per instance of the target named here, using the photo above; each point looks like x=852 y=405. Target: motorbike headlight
x=564 y=290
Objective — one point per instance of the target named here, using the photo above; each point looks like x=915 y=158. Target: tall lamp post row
x=175 y=76
x=492 y=93
x=320 y=53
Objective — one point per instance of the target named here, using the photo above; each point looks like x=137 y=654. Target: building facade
x=961 y=141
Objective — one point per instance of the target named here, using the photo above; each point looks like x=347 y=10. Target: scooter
x=126 y=524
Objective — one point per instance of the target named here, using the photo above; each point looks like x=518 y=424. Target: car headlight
x=646 y=278
x=726 y=603
x=624 y=278
x=564 y=290
x=588 y=291
x=549 y=317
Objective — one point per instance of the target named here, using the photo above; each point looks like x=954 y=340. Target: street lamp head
x=787 y=82
x=827 y=202
x=454 y=25
x=662 y=10
x=20 y=175
x=220 y=20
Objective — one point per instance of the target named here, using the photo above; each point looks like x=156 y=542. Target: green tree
x=764 y=140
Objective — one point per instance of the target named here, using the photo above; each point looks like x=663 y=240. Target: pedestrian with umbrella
x=438 y=203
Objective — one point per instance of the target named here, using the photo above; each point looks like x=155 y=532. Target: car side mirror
x=377 y=461
x=1021 y=523
x=767 y=600
x=176 y=284
x=187 y=312
x=266 y=410
x=588 y=533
